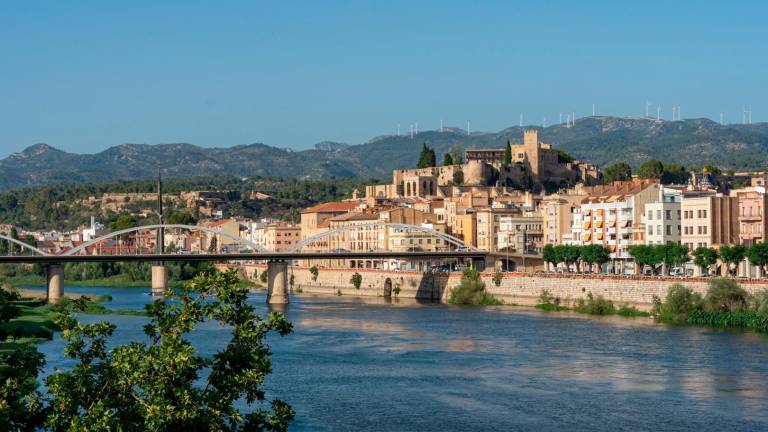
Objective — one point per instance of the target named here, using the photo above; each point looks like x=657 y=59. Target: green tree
x=758 y=255
x=595 y=255
x=508 y=154
x=646 y=255
x=471 y=290
x=672 y=254
x=356 y=280
x=458 y=177
x=567 y=254
x=650 y=169
x=163 y=383
x=705 y=257
x=549 y=254
x=725 y=295
x=181 y=218
x=617 y=172
x=456 y=154
x=674 y=174
x=447 y=159
x=426 y=158
x=732 y=256
x=124 y=222
x=715 y=171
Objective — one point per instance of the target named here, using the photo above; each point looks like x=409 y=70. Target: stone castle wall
x=515 y=288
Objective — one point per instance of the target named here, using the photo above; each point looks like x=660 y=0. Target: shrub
x=631 y=311
x=748 y=320
x=292 y=280
x=725 y=295
x=471 y=291
x=545 y=297
x=263 y=276
x=338 y=292
x=396 y=290
x=595 y=306
x=497 y=278
x=679 y=303
x=760 y=302
x=356 y=280
x=314 y=271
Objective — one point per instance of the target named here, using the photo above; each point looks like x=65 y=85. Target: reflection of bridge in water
x=277 y=262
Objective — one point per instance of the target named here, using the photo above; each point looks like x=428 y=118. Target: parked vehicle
x=677 y=271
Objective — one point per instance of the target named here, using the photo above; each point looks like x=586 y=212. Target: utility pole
x=160 y=234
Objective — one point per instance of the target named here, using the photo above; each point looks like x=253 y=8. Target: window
x=669 y=214
x=658 y=214
x=650 y=214
x=669 y=229
x=658 y=229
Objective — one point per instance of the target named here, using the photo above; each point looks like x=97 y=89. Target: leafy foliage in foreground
x=748 y=319
x=162 y=384
x=471 y=291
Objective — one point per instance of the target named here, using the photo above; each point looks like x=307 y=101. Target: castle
x=535 y=166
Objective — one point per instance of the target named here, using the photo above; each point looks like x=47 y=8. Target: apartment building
x=610 y=214
x=709 y=219
x=752 y=222
x=557 y=212
x=662 y=220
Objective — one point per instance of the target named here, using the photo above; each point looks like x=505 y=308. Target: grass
x=550 y=307
x=34 y=324
x=745 y=320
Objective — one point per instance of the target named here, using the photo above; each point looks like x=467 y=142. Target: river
x=370 y=365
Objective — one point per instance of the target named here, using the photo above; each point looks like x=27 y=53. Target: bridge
x=277 y=262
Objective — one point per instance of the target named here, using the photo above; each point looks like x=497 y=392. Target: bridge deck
x=44 y=259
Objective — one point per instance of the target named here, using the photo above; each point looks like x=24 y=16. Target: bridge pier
x=277 y=282
x=159 y=280
x=55 y=278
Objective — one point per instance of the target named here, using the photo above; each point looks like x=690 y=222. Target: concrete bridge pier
x=55 y=278
x=277 y=282
x=159 y=280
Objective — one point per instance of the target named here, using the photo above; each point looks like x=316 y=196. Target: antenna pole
x=593 y=110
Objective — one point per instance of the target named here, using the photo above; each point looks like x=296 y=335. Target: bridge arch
x=114 y=234
x=441 y=235
x=23 y=245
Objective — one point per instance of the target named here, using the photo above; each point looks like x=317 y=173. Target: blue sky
x=83 y=76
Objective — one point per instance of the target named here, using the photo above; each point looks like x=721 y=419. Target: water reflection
x=366 y=364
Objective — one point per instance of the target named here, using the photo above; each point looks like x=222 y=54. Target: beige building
x=709 y=219
x=276 y=236
x=557 y=215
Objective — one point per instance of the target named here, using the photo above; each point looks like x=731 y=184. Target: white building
x=662 y=219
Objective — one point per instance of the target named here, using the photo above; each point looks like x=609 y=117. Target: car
x=677 y=271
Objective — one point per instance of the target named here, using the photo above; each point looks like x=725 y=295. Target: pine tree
x=447 y=159
x=427 y=157
x=508 y=154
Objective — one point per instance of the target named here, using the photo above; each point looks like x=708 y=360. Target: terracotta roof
x=354 y=216
x=332 y=207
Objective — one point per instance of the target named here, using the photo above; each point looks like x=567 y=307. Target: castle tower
x=532 y=146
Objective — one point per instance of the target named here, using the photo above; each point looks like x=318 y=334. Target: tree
x=458 y=177
x=213 y=246
x=705 y=257
x=674 y=174
x=595 y=254
x=549 y=254
x=508 y=154
x=672 y=254
x=617 y=172
x=356 y=280
x=650 y=169
x=181 y=218
x=568 y=254
x=426 y=158
x=123 y=222
x=456 y=154
x=732 y=256
x=646 y=255
x=447 y=159
x=758 y=255
x=162 y=383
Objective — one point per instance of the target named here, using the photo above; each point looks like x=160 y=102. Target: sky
x=86 y=75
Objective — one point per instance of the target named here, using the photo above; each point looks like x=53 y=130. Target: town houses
x=511 y=202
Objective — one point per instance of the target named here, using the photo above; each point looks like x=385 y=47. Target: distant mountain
x=601 y=140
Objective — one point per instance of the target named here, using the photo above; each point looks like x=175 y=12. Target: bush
x=747 y=320
x=471 y=291
x=314 y=271
x=760 y=302
x=679 y=303
x=725 y=295
x=263 y=276
x=595 y=306
x=497 y=278
x=356 y=280
x=292 y=280
x=631 y=311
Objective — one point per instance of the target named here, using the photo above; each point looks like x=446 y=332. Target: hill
x=601 y=140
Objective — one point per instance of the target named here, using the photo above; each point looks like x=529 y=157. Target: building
x=275 y=236
x=752 y=222
x=611 y=214
x=709 y=219
x=662 y=219
x=557 y=212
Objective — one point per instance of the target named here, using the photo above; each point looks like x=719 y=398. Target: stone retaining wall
x=515 y=288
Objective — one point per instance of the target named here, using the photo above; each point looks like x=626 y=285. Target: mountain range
x=601 y=140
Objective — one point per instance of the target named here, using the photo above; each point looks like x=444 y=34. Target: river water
x=369 y=365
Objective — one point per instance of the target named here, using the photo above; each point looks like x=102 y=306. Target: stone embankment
x=521 y=289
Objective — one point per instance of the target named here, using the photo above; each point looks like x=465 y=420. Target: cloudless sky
x=86 y=75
